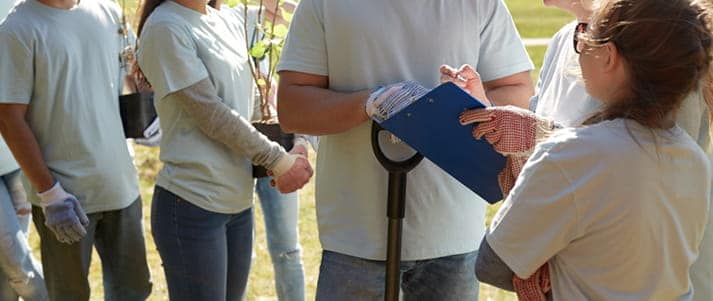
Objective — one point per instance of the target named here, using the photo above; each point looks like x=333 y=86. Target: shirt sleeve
x=16 y=68
x=305 y=48
x=169 y=58
x=538 y=219
x=548 y=63
x=502 y=52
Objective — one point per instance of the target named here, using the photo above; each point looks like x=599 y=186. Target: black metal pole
x=396 y=207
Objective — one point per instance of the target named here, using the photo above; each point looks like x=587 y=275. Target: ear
x=613 y=60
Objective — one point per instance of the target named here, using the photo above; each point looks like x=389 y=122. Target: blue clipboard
x=430 y=125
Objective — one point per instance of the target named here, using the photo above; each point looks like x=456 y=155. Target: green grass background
x=532 y=19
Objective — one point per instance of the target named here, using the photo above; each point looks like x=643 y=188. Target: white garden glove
x=63 y=214
x=513 y=132
x=152 y=134
x=384 y=102
x=292 y=170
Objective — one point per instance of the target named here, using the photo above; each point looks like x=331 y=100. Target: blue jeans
x=206 y=255
x=20 y=273
x=118 y=236
x=281 y=212
x=344 y=277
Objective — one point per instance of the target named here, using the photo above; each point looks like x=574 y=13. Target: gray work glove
x=63 y=214
x=386 y=101
x=152 y=134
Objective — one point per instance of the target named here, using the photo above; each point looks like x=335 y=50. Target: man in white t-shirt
x=59 y=115
x=335 y=53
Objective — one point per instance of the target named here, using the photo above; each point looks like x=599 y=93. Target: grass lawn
x=532 y=20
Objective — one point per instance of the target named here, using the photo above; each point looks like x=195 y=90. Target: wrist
x=56 y=192
x=284 y=164
x=301 y=141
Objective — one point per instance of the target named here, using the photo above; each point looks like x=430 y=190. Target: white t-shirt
x=178 y=48
x=617 y=210
x=367 y=43
x=63 y=64
x=560 y=92
x=694 y=119
x=7 y=162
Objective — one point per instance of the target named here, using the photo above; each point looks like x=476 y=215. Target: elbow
x=481 y=273
x=287 y=122
x=286 y=112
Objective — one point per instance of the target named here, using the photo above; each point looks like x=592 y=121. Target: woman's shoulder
x=607 y=137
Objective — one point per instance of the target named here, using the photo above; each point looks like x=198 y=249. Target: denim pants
x=118 y=238
x=344 y=277
x=20 y=272
x=281 y=212
x=206 y=255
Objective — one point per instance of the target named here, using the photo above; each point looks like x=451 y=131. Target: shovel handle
x=390 y=165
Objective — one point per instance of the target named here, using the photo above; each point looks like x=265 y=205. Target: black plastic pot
x=274 y=133
x=137 y=112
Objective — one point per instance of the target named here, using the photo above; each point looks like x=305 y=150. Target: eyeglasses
x=578 y=30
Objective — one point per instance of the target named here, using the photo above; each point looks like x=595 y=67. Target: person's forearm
x=23 y=144
x=318 y=111
x=217 y=121
x=490 y=269
x=517 y=95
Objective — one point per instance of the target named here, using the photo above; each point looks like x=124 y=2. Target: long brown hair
x=147 y=7
x=667 y=47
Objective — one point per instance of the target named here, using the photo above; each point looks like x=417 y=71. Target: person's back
x=627 y=230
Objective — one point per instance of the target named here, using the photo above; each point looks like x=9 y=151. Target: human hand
x=513 y=132
x=292 y=172
x=300 y=147
x=537 y=287
x=152 y=134
x=467 y=78
x=63 y=214
x=385 y=101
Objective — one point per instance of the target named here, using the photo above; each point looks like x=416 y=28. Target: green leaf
x=286 y=15
x=280 y=31
x=261 y=82
x=258 y=51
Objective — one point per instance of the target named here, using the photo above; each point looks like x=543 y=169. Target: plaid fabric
x=386 y=101
x=534 y=288
x=513 y=132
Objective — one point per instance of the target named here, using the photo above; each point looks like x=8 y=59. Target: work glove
x=513 y=132
x=63 y=214
x=292 y=170
x=384 y=102
x=152 y=134
x=534 y=288
x=467 y=78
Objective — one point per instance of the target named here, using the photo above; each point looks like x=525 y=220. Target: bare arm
x=516 y=90
x=490 y=269
x=307 y=106
x=23 y=144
